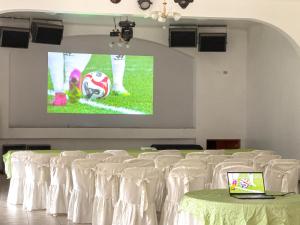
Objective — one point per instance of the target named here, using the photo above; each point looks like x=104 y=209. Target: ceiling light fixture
x=144 y=4
x=164 y=14
x=183 y=3
x=115 y=1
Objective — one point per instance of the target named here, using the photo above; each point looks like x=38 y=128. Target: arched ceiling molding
x=282 y=14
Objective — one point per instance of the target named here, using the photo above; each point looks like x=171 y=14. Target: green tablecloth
x=133 y=152
x=216 y=207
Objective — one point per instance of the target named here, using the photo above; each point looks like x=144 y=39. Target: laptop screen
x=246 y=182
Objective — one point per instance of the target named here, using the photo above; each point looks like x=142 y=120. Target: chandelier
x=164 y=14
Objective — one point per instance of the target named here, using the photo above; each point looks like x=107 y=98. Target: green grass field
x=258 y=182
x=138 y=81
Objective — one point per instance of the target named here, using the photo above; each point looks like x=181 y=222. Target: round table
x=216 y=207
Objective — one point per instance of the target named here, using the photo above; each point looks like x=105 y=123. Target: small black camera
x=183 y=3
x=126 y=31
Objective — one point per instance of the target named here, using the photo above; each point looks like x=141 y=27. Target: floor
x=15 y=215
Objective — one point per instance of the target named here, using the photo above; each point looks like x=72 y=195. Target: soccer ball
x=96 y=85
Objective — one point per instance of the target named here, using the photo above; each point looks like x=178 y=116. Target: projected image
x=246 y=183
x=100 y=84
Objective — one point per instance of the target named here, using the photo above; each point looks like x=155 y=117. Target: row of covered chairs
x=106 y=188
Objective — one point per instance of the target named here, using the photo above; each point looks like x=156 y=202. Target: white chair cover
x=148 y=155
x=248 y=161
x=61 y=184
x=107 y=192
x=244 y=155
x=139 y=192
x=282 y=175
x=197 y=155
x=139 y=162
x=37 y=181
x=213 y=161
x=117 y=158
x=117 y=152
x=263 y=152
x=17 y=181
x=165 y=163
x=191 y=163
x=99 y=155
x=180 y=181
x=82 y=197
x=76 y=153
x=215 y=152
x=221 y=180
x=169 y=152
x=218 y=167
x=261 y=161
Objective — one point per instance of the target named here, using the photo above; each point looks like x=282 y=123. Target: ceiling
x=102 y=20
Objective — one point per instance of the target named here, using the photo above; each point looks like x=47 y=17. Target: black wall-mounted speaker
x=45 y=33
x=183 y=37
x=14 y=37
x=212 y=42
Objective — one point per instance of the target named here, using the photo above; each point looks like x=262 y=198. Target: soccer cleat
x=75 y=79
x=60 y=99
x=120 y=91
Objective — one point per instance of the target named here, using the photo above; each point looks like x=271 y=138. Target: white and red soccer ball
x=96 y=85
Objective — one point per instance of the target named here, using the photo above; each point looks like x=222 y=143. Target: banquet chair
x=218 y=167
x=165 y=163
x=136 y=162
x=169 y=152
x=213 y=161
x=191 y=163
x=76 y=153
x=244 y=155
x=117 y=158
x=117 y=152
x=61 y=184
x=197 y=155
x=215 y=152
x=16 y=187
x=148 y=155
x=107 y=192
x=37 y=181
x=261 y=161
x=180 y=181
x=249 y=161
x=220 y=180
x=282 y=175
x=263 y=152
x=99 y=155
x=82 y=196
x=139 y=192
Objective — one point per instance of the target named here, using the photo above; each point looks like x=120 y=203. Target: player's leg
x=251 y=179
x=118 y=70
x=56 y=69
x=75 y=63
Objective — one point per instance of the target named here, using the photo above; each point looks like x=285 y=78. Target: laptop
x=247 y=185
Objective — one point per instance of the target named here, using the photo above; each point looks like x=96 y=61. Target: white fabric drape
x=17 y=181
x=139 y=190
x=180 y=181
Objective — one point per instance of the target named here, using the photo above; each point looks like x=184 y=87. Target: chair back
x=261 y=161
x=117 y=152
x=244 y=155
x=18 y=160
x=282 y=175
x=170 y=152
x=117 y=158
x=263 y=152
x=76 y=153
x=191 y=163
x=136 y=162
x=249 y=161
x=148 y=155
x=215 y=152
x=197 y=155
x=99 y=155
x=220 y=180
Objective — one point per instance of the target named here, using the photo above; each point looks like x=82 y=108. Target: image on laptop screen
x=245 y=182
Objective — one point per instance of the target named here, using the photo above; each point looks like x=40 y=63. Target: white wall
x=219 y=101
x=273 y=84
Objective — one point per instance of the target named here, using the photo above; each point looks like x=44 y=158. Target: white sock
x=56 y=68
x=74 y=61
x=118 y=70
